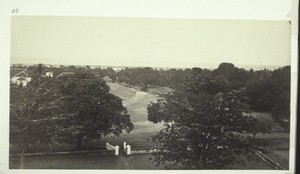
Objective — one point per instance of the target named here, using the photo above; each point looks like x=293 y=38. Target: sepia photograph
x=137 y=93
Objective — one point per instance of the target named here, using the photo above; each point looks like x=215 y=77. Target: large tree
x=270 y=91
x=33 y=113
x=280 y=82
x=49 y=111
x=94 y=111
x=203 y=132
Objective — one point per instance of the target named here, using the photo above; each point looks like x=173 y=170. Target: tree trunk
x=22 y=158
x=50 y=148
x=79 y=142
x=27 y=147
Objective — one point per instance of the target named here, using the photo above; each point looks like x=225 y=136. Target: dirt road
x=136 y=103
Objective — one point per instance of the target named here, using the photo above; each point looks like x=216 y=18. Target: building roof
x=14 y=71
x=65 y=74
x=21 y=71
x=21 y=74
x=48 y=70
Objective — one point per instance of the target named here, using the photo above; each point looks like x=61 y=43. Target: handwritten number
x=15 y=10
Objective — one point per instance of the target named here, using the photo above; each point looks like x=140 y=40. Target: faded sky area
x=181 y=43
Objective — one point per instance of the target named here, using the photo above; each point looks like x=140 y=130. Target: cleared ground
x=136 y=103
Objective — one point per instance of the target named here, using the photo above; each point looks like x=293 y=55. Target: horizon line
x=244 y=66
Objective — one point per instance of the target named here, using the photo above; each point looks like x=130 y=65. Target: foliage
x=75 y=99
x=94 y=111
x=64 y=110
x=174 y=78
x=34 y=111
x=270 y=91
x=204 y=132
x=280 y=81
x=281 y=110
x=260 y=95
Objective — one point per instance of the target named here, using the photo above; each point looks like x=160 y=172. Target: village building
x=48 y=73
x=20 y=78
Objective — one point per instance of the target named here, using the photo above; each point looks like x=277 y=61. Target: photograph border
x=218 y=9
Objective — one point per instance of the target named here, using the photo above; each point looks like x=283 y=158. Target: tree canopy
x=203 y=132
x=65 y=110
x=208 y=125
x=207 y=118
x=94 y=111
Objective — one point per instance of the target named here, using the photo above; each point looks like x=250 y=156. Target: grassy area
x=159 y=90
x=278 y=141
x=121 y=91
x=90 y=162
x=267 y=117
x=278 y=156
x=136 y=105
x=137 y=161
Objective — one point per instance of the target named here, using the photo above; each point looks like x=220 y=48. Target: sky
x=154 y=42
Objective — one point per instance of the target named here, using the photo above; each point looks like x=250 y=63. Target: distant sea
x=210 y=67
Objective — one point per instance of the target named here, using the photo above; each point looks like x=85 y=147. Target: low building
x=48 y=73
x=21 y=78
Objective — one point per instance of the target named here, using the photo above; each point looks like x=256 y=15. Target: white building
x=48 y=73
x=21 y=78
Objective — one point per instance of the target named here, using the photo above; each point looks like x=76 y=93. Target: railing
x=259 y=153
x=269 y=161
x=63 y=154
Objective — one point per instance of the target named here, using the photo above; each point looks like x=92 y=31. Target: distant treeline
x=265 y=90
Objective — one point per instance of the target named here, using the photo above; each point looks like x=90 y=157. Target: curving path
x=136 y=103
